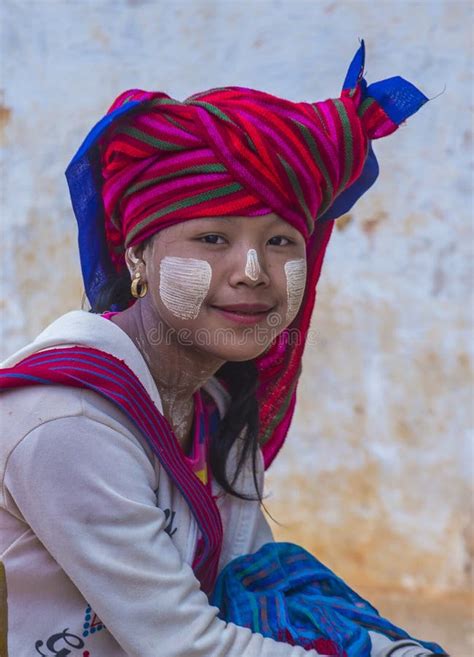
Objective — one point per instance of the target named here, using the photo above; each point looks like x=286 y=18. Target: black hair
x=114 y=293
x=241 y=420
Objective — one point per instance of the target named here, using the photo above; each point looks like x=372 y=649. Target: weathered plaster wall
x=375 y=477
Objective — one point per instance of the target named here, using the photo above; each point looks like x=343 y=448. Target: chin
x=236 y=353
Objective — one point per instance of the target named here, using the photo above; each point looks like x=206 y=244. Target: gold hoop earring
x=138 y=287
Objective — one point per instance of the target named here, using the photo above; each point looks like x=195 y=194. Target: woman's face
x=225 y=285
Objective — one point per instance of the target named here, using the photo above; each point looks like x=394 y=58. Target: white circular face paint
x=252 y=266
x=295 y=271
x=184 y=283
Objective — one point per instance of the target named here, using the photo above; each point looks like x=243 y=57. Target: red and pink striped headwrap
x=231 y=151
x=154 y=161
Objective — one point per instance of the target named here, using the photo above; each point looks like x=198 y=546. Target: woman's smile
x=244 y=313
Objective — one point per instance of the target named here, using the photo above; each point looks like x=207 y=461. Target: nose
x=249 y=269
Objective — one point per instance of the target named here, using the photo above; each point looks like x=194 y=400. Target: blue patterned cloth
x=285 y=593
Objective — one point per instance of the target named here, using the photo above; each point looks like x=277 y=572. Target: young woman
x=135 y=437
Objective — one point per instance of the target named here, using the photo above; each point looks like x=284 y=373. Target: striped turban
x=232 y=151
x=154 y=161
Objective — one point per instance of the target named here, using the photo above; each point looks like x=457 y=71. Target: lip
x=245 y=307
x=244 y=313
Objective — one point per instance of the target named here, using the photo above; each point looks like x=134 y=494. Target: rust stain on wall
x=207 y=11
x=46 y=282
x=464 y=362
x=100 y=36
x=343 y=222
x=371 y=224
x=5 y=116
x=467 y=139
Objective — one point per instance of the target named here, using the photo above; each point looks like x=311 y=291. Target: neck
x=178 y=370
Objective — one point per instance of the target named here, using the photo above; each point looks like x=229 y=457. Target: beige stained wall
x=376 y=475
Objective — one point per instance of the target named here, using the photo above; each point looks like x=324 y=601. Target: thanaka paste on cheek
x=252 y=266
x=295 y=271
x=184 y=284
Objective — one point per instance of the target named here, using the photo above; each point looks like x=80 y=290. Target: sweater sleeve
x=86 y=490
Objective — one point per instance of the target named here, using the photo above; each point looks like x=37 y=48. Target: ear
x=137 y=257
x=133 y=259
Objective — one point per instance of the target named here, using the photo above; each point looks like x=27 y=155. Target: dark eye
x=277 y=241
x=212 y=239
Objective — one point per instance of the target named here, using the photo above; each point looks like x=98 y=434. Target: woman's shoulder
x=66 y=330
x=25 y=409
x=85 y=329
